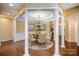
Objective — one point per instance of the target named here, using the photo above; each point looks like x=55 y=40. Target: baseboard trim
x=6 y=42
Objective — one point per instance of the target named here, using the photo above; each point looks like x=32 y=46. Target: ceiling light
x=41 y=15
x=11 y=5
x=8 y=13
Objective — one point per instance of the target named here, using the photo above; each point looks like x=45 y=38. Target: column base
x=26 y=54
x=62 y=46
x=56 y=54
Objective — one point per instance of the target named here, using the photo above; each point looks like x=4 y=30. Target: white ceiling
x=65 y=6
x=41 y=14
x=40 y=5
x=5 y=8
x=34 y=14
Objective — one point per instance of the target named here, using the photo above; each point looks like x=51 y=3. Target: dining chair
x=42 y=38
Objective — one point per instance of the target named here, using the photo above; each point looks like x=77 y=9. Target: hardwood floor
x=43 y=52
x=47 y=52
x=70 y=49
x=17 y=49
x=12 y=49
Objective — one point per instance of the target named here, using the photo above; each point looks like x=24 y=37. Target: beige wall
x=20 y=26
x=68 y=13
x=20 y=33
x=5 y=29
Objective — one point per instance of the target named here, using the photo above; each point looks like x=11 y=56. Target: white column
x=56 y=32
x=26 y=34
x=62 y=30
x=76 y=30
x=14 y=30
x=0 y=43
x=0 y=33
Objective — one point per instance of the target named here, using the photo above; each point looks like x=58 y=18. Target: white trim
x=58 y=8
x=6 y=40
x=61 y=11
x=14 y=30
x=76 y=30
x=42 y=8
x=69 y=30
x=62 y=41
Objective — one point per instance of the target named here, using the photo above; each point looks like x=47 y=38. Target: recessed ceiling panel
x=40 y=14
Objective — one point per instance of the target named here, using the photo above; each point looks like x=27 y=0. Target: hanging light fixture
x=38 y=25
